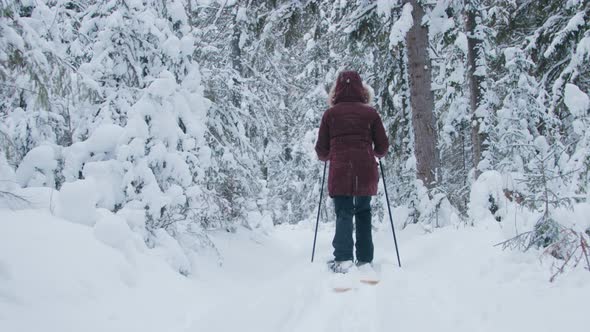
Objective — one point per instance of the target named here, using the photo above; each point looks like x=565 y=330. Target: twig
x=584 y=246
x=11 y=196
x=519 y=241
x=562 y=267
x=571 y=242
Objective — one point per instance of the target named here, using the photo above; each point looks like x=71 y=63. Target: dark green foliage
x=545 y=233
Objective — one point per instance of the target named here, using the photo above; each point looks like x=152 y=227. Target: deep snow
x=56 y=275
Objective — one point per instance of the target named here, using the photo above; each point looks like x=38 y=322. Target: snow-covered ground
x=60 y=276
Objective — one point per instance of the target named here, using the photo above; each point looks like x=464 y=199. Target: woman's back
x=351 y=136
x=351 y=131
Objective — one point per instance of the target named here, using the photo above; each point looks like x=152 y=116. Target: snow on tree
x=186 y=116
x=516 y=123
x=35 y=90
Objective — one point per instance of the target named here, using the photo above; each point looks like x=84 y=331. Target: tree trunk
x=474 y=82
x=422 y=98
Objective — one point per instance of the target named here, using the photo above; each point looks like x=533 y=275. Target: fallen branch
x=572 y=248
x=12 y=198
x=521 y=241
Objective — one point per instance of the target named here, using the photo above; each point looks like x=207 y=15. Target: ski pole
x=389 y=209
x=319 y=208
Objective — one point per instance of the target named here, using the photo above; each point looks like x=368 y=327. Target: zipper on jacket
x=356 y=185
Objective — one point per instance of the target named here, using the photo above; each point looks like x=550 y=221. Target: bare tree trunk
x=474 y=82
x=422 y=98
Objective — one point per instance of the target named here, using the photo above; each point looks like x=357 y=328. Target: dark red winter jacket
x=351 y=135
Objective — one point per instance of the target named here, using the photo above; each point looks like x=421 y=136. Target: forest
x=197 y=115
x=158 y=169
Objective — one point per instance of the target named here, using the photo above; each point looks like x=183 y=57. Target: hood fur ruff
x=368 y=90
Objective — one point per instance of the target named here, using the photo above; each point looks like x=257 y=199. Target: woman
x=351 y=135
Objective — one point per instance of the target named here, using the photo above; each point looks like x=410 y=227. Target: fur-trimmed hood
x=350 y=87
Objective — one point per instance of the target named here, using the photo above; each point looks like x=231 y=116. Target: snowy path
x=293 y=295
x=56 y=276
x=452 y=280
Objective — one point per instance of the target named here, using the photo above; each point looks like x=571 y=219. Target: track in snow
x=452 y=280
x=57 y=276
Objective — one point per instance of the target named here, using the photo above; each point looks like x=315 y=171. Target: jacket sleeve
x=379 y=138
x=322 y=146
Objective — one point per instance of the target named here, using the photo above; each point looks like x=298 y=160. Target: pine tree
x=520 y=115
x=450 y=74
x=35 y=94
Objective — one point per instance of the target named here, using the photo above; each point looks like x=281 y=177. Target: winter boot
x=340 y=266
x=367 y=273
